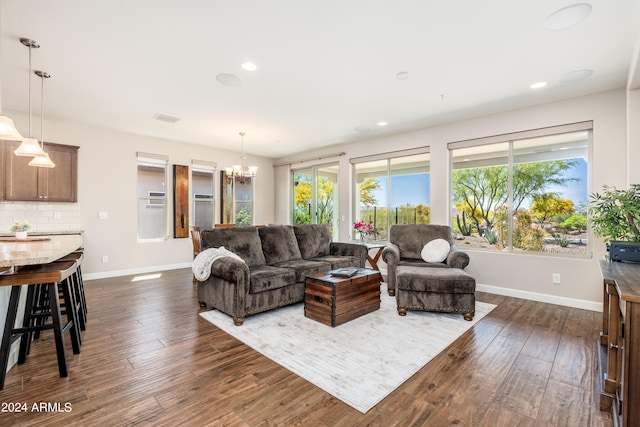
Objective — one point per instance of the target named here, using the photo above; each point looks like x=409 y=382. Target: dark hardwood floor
x=148 y=359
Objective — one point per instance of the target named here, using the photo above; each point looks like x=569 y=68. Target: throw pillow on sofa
x=435 y=251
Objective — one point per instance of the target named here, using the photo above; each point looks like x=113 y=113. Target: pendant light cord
x=42 y=109
x=30 y=44
x=30 y=134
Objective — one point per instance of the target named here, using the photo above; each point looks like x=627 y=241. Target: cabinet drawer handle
x=613 y=346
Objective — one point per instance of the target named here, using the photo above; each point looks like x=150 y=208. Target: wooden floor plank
x=148 y=359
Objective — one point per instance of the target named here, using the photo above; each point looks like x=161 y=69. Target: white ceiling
x=326 y=68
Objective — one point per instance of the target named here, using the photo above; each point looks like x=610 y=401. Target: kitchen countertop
x=26 y=252
x=44 y=233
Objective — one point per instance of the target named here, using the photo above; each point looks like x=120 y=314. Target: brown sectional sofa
x=276 y=261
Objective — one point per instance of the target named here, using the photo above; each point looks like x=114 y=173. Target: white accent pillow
x=435 y=251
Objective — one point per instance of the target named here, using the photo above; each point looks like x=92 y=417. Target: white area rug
x=359 y=362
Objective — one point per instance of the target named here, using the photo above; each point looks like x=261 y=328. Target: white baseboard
x=534 y=296
x=131 y=271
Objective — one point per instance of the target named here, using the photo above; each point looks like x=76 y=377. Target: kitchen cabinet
x=22 y=182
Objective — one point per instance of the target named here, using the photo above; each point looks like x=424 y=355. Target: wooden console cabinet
x=22 y=182
x=620 y=342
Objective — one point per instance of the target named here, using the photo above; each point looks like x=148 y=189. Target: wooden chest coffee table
x=335 y=300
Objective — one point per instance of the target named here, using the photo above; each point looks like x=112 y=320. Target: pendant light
x=42 y=160
x=29 y=145
x=8 y=131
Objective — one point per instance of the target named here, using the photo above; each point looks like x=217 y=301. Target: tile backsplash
x=43 y=217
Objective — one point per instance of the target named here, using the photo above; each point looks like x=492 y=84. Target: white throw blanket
x=204 y=260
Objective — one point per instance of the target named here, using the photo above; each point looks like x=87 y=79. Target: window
x=523 y=192
x=237 y=199
x=152 y=199
x=243 y=201
x=392 y=188
x=202 y=192
x=315 y=196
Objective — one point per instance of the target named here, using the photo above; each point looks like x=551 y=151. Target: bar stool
x=78 y=286
x=53 y=276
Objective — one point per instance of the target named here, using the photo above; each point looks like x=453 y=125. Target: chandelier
x=241 y=172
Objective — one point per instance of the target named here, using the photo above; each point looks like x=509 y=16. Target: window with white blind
x=202 y=193
x=152 y=197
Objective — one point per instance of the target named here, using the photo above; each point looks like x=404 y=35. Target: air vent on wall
x=165 y=118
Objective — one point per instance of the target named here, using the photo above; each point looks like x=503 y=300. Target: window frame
x=155 y=201
x=512 y=139
x=205 y=167
x=387 y=157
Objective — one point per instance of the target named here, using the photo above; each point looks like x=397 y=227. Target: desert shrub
x=575 y=222
x=491 y=236
x=562 y=239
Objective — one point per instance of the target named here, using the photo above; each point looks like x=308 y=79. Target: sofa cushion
x=313 y=240
x=265 y=278
x=437 y=280
x=243 y=241
x=279 y=244
x=421 y=263
x=338 y=261
x=435 y=251
x=304 y=267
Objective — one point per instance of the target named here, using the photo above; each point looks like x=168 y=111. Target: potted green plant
x=20 y=228
x=615 y=214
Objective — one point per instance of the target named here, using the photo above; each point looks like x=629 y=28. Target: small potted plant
x=615 y=214
x=20 y=228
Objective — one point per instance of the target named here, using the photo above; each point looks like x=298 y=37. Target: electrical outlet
x=103 y=215
x=105 y=259
x=57 y=214
x=556 y=278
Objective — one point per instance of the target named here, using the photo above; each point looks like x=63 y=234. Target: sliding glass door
x=315 y=196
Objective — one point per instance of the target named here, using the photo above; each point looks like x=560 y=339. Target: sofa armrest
x=231 y=270
x=391 y=257
x=391 y=254
x=457 y=258
x=350 y=249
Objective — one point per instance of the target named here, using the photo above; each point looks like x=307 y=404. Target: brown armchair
x=434 y=285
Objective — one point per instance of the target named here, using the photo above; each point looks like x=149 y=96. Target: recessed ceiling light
x=567 y=16
x=538 y=85
x=382 y=123
x=576 y=76
x=228 y=79
x=249 y=66
x=402 y=75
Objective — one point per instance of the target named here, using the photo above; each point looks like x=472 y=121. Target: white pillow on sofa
x=435 y=251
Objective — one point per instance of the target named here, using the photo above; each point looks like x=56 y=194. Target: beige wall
x=107 y=178
x=528 y=276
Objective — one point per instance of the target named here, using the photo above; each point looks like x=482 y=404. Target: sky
x=415 y=189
